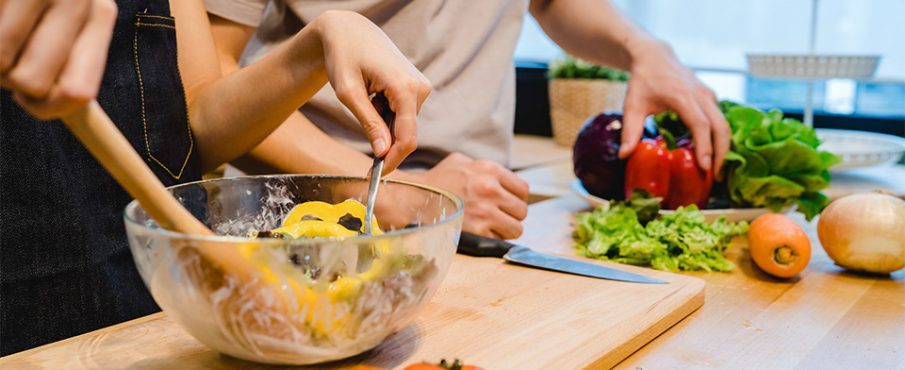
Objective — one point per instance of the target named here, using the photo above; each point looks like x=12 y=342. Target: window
x=713 y=37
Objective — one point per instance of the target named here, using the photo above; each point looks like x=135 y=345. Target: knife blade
x=479 y=246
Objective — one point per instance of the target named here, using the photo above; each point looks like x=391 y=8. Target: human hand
x=360 y=60
x=53 y=52
x=494 y=196
x=658 y=83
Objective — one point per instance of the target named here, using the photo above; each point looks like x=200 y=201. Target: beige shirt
x=464 y=47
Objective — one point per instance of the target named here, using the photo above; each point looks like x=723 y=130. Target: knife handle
x=479 y=246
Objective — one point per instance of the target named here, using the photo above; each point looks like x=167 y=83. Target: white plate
x=861 y=149
x=731 y=214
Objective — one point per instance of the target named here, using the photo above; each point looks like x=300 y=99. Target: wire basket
x=811 y=66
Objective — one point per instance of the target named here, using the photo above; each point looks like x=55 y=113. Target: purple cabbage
x=596 y=156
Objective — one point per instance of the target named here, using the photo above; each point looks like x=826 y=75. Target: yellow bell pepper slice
x=316 y=301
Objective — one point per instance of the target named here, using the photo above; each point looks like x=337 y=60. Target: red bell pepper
x=670 y=173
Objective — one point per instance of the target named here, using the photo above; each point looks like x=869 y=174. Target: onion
x=865 y=232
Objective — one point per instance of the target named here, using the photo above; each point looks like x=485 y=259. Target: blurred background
x=713 y=37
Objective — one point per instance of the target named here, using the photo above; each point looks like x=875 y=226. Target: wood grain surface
x=532 y=151
x=825 y=319
x=487 y=312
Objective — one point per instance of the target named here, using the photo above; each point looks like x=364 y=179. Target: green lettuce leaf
x=774 y=162
x=644 y=204
x=683 y=240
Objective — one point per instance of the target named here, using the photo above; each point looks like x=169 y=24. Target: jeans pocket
x=164 y=117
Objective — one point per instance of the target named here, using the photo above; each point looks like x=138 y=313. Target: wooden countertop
x=532 y=151
x=488 y=312
x=825 y=319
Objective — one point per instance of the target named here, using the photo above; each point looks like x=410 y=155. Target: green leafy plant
x=774 y=162
x=630 y=232
x=569 y=67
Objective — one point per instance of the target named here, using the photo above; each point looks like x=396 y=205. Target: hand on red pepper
x=668 y=170
x=659 y=82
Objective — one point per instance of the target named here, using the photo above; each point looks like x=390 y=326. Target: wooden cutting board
x=489 y=313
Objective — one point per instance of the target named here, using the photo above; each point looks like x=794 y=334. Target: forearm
x=231 y=115
x=298 y=146
x=593 y=30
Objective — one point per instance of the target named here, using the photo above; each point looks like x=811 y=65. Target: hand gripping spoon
x=383 y=107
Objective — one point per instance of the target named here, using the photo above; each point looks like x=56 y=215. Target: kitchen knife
x=479 y=246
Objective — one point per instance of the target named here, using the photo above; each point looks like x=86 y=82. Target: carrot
x=778 y=245
x=423 y=366
x=443 y=365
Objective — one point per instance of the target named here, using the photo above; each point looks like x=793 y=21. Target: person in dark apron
x=65 y=264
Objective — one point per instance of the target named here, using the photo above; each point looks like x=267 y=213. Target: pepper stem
x=669 y=138
x=784 y=255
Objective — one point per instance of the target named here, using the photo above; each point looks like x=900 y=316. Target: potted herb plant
x=579 y=90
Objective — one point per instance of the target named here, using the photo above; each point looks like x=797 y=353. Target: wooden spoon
x=99 y=135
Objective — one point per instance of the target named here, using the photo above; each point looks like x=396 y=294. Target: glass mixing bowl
x=308 y=300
